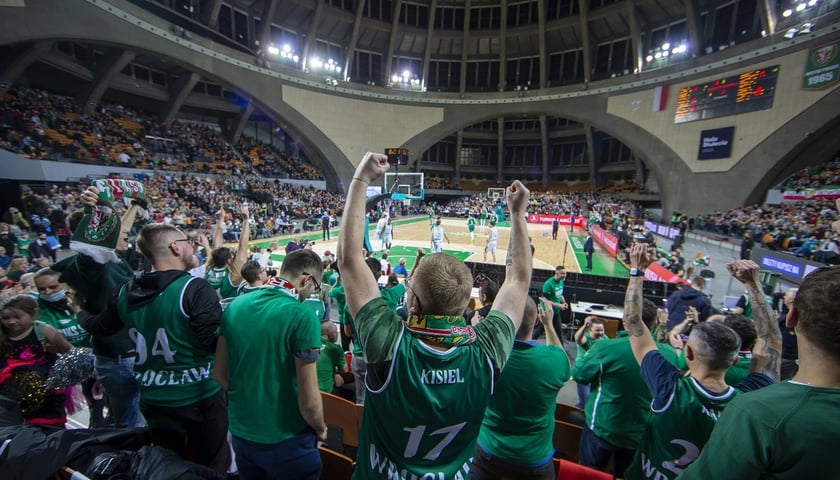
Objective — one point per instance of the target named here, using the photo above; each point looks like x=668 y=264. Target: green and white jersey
x=553 y=290
x=619 y=401
x=337 y=292
x=263 y=330
x=423 y=407
x=315 y=304
x=676 y=433
x=523 y=434
x=471 y=224
x=781 y=432
x=219 y=279
x=393 y=296
x=65 y=322
x=171 y=370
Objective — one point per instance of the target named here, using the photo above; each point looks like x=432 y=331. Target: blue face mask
x=54 y=297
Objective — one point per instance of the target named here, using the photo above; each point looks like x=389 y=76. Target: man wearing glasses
x=269 y=344
x=172 y=318
x=428 y=379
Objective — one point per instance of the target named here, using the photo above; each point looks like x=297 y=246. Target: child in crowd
x=28 y=349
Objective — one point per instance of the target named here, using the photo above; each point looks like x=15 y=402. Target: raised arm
x=359 y=285
x=640 y=339
x=580 y=337
x=511 y=297
x=242 y=252
x=218 y=238
x=767 y=352
x=545 y=314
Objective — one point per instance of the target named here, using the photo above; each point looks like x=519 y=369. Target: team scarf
x=444 y=329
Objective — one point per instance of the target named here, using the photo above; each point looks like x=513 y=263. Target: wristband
x=635 y=272
x=361 y=180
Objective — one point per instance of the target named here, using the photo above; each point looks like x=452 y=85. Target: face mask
x=54 y=297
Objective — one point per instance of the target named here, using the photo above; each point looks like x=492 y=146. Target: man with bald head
x=172 y=318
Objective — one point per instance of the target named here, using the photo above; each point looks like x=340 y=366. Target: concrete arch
x=69 y=21
x=663 y=162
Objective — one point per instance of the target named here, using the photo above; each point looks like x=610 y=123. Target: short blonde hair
x=443 y=284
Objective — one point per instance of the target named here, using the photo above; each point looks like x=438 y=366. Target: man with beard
x=173 y=318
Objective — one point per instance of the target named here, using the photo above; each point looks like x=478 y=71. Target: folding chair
x=342 y=422
x=567 y=440
x=335 y=466
x=569 y=414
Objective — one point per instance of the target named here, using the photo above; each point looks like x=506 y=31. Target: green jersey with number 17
x=424 y=420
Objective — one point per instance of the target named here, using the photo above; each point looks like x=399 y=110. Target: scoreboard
x=747 y=92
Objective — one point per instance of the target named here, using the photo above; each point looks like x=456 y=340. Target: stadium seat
x=573 y=471
x=342 y=422
x=567 y=440
x=568 y=413
x=335 y=466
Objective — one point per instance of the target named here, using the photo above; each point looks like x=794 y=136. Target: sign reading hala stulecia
x=823 y=66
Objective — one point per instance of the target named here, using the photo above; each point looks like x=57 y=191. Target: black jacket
x=200 y=302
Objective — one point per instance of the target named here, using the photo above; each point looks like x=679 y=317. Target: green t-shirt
x=172 y=369
x=619 y=401
x=784 y=431
x=23 y=246
x=337 y=292
x=471 y=224
x=738 y=372
x=65 y=322
x=393 y=295
x=316 y=305
x=423 y=407
x=263 y=330
x=518 y=425
x=331 y=358
x=219 y=279
x=553 y=290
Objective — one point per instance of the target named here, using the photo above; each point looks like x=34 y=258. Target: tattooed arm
x=766 y=354
x=640 y=338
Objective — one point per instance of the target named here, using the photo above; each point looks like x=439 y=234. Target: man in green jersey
x=788 y=430
x=255 y=276
x=471 y=227
x=268 y=338
x=429 y=378
x=516 y=442
x=617 y=406
x=552 y=290
x=224 y=272
x=685 y=409
x=172 y=317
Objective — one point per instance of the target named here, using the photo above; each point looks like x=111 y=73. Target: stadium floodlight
x=806 y=28
x=657 y=55
x=666 y=46
x=649 y=58
x=788 y=12
x=272 y=50
x=800 y=7
x=287 y=48
x=791 y=33
x=395 y=78
x=811 y=3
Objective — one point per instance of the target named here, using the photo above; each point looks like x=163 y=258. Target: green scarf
x=444 y=329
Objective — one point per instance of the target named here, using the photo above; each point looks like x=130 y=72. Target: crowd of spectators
x=816 y=176
x=41 y=125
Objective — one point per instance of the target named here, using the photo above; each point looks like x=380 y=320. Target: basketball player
x=492 y=241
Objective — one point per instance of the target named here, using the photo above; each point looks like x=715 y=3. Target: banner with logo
x=715 y=143
x=657 y=273
x=821 y=68
x=563 y=219
x=812 y=193
x=606 y=239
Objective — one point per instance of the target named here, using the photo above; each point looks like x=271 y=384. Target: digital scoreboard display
x=397 y=156
x=747 y=92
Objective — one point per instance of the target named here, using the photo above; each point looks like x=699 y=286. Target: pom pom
x=71 y=368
